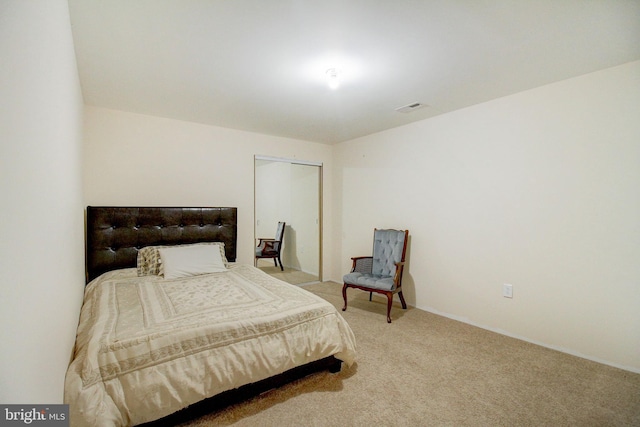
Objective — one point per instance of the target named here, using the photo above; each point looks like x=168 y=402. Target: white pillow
x=191 y=261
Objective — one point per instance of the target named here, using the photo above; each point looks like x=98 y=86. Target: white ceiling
x=259 y=65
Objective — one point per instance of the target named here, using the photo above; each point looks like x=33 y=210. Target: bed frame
x=114 y=234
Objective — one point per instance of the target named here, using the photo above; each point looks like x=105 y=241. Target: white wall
x=42 y=269
x=540 y=189
x=133 y=159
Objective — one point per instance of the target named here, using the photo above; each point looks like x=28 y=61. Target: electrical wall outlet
x=507 y=290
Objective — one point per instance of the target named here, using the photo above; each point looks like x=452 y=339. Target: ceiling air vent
x=410 y=107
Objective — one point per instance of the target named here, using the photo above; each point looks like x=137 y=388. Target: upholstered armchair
x=382 y=272
x=270 y=248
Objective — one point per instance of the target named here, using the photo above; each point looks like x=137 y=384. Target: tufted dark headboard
x=114 y=234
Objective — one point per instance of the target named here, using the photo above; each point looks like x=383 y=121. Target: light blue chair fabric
x=382 y=272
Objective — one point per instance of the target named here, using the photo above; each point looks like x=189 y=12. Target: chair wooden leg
x=280 y=261
x=404 y=304
x=370 y=295
x=275 y=261
x=389 y=303
x=344 y=296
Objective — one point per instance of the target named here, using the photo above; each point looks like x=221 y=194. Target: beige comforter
x=147 y=347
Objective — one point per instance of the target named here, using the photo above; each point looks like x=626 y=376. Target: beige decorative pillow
x=149 y=262
x=191 y=260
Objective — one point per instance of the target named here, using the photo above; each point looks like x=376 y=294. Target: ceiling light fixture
x=332 y=78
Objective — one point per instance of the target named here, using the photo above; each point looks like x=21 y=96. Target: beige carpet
x=289 y=275
x=426 y=370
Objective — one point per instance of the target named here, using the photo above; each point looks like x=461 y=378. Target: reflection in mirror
x=289 y=192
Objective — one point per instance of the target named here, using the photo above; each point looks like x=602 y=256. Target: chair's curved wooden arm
x=397 y=278
x=268 y=242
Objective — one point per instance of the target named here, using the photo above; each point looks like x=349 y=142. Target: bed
x=156 y=337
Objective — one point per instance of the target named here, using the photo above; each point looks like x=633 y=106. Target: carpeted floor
x=289 y=275
x=427 y=370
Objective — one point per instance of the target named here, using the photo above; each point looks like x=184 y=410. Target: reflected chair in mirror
x=270 y=248
x=382 y=272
